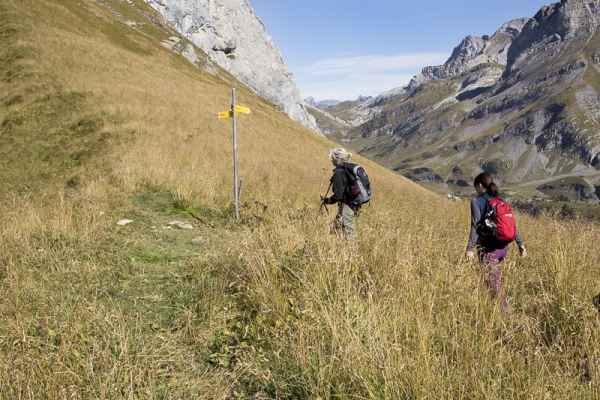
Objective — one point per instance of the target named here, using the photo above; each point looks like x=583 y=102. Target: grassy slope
x=101 y=123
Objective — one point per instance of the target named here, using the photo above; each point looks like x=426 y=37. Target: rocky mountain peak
x=552 y=25
x=469 y=47
x=473 y=51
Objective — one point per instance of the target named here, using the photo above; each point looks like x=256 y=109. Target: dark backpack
x=359 y=186
x=498 y=220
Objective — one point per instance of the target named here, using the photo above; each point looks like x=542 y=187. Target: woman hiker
x=490 y=251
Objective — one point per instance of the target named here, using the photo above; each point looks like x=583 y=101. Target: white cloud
x=374 y=63
x=346 y=78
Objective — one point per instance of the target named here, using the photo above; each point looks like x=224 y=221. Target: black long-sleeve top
x=339 y=183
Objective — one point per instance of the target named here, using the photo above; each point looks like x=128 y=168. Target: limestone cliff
x=231 y=34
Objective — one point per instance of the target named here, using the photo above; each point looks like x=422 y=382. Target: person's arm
x=522 y=249
x=337 y=187
x=473 y=234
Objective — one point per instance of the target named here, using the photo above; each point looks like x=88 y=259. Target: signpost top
x=229 y=114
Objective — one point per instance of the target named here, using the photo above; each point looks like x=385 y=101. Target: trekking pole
x=324 y=197
x=323 y=203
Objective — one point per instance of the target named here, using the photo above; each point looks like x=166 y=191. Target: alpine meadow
x=100 y=122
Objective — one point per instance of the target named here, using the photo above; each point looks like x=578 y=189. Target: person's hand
x=469 y=255
x=523 y=251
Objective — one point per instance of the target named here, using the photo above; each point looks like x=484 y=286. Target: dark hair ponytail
x=487 y=182
x=494 y=190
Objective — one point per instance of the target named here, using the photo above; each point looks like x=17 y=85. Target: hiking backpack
x=359 y=186
x=498 y=220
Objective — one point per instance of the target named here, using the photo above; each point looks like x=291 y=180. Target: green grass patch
x=50 y=139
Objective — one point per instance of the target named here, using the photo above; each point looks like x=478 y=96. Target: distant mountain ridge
x=522 y=104
x=333 y=102
x=322 y=103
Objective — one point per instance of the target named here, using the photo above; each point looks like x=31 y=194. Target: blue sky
x=342 y=49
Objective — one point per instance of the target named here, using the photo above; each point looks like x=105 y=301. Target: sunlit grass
x=273 y=306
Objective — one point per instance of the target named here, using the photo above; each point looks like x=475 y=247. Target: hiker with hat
x=492 y=230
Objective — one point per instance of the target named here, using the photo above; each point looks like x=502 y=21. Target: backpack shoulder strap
x=482 y=201
x=349 y=169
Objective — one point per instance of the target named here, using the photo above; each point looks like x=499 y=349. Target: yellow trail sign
x=243 y=110
x=229 y=114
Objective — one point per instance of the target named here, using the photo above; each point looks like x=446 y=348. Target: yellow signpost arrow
x=229 y=114
x=243 y=110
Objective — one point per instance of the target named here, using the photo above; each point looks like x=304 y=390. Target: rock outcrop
x=549 y=30
x=231 y=34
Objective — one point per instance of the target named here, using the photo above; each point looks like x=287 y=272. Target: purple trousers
x=491 y=262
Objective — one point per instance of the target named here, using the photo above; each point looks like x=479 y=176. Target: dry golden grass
x=271 y=307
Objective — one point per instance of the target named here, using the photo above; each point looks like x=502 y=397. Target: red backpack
x=499 y=221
